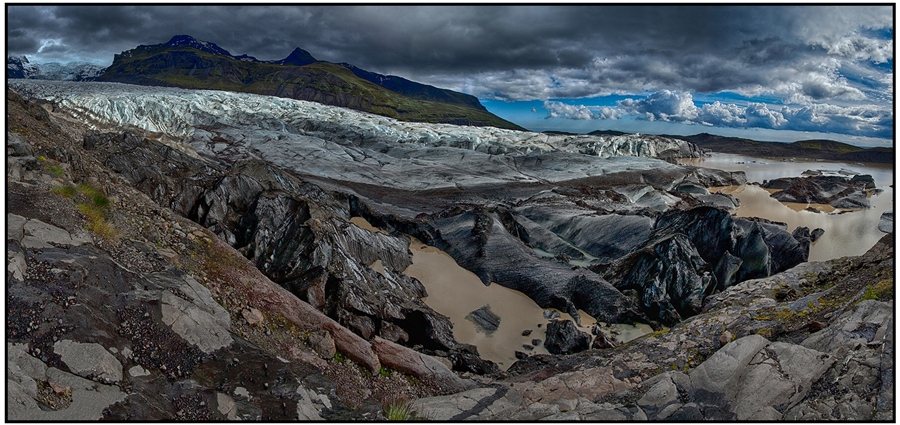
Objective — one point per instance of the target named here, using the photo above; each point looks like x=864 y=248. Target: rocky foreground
x=148 y=278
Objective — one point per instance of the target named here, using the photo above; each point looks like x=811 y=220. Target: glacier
x=346 y=145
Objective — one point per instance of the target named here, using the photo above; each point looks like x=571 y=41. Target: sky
x=766 y=72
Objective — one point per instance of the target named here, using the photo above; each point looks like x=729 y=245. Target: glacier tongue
x=344 y=144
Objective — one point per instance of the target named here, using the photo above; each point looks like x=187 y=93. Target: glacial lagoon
x=847 y=233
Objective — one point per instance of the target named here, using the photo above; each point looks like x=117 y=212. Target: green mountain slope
x=813 y=149
x=198 y=67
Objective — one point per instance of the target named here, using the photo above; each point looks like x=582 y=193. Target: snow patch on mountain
x=20 y=67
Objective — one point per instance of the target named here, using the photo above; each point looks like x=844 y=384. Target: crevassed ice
x=336 y=142
x=177 y=112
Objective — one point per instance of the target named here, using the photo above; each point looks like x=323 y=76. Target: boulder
x=853 y=201
x=89 y=399
x=484 y=319
x=89 y=360
x=816 y=189
x=189 y=309
x=323 y=344
x=420 y=365
x=564 y=338
x=816 y=234
x=601 y=341
x=253 y=316
x=15 y=146
x=38 y=234
x=886 y=222
x=755 y=379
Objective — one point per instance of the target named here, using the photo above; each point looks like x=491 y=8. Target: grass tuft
x=65 y=191
x=883 y=290
x=95 y=210
x=398 y=410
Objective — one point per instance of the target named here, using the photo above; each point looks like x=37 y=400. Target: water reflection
x=846 y=234
x=455 y=292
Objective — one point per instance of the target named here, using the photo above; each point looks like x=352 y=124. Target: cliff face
x=209 y=273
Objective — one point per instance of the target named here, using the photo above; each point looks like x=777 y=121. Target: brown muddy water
x=847 y=233
x=455 y=292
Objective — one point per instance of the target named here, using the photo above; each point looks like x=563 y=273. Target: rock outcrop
x=119 y=309
x=886 y=222
x=693 y=253
x=751 y=355
x=564 y=338
x=295 y=233
x=838 y=191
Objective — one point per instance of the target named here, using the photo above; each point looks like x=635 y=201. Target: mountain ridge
x=187 y=62
x=21 y=67
x=814 y=149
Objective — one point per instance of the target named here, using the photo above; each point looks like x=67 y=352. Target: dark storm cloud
x=447 y=39
x=797 y=54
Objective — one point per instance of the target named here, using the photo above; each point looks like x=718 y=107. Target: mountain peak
x=298 y=57
x=205 y=46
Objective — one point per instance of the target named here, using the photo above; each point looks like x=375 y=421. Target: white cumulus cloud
x=572 y=112
x=664 y=105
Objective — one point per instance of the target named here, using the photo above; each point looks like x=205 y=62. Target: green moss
x=56 y=170
x=65 y=191
x=883 y=290
x=659 y=333
x=338 y=357
x=96 y=196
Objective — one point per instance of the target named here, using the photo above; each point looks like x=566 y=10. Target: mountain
x=190 y=63
x=20 y=67
x=813 y=149
x=607 y=133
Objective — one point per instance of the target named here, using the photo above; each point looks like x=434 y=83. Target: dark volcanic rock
x=671 y=277
x=694 y=253
x=564 y=338
x=886 y=222
x=838 y=191
x=603 y=236
x=601 y=341
x=816 y=234
x=484 y=319
x=477 y=239
x=853 y=201
x=866 y=179
x=295 y=233
x=803 y=236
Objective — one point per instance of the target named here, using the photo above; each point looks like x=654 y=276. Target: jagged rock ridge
x=20 y=67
